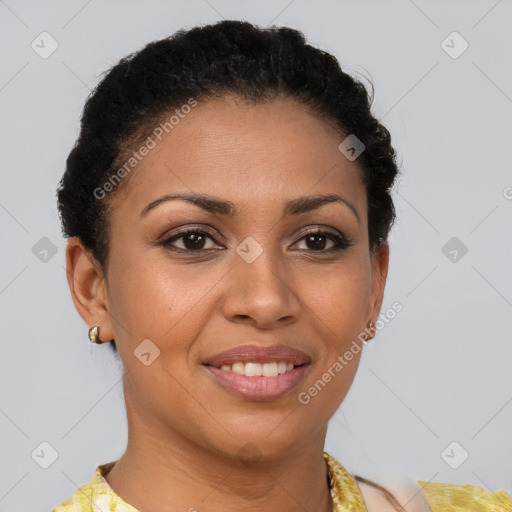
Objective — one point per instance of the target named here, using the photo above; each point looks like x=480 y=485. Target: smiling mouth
x=258 y=372
x=254 y=369
x=260 y=382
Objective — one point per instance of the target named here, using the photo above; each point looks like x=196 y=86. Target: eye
x=198 y=240
x=193 y=240
x=324 y=241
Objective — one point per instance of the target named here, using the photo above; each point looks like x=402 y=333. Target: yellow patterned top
x=458 y=498
x=98 y=496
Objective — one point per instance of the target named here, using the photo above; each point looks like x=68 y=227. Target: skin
x=186 y=431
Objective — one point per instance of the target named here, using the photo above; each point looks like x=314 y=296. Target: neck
x=181 y=475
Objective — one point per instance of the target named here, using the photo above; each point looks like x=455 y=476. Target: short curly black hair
x=205 y=62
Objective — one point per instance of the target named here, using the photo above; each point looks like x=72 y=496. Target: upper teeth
x=258 y=369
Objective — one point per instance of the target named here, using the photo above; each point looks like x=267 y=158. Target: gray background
x=439 y=372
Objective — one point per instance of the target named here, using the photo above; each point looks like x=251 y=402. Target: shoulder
x=435 y=497
x=363 y=494
x=401 y=492
x=405 y=496
x=79 y=502
x=95 y=495
x=448 y=497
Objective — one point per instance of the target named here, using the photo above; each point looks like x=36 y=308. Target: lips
x=259 y=354
x=259 y=381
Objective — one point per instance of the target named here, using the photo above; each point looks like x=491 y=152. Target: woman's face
x=253 y=275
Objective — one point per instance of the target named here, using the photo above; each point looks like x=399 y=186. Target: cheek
x=337 y=304
x=338 y=295
x=157 y=301
x=332 y=378
x=153 y=298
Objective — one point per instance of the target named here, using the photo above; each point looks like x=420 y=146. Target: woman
x=227 y=205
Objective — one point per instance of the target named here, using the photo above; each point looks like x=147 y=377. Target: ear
x=88 y=288
x=379 y=264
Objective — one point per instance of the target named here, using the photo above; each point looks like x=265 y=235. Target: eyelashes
x=193 y=241
x=196 y=235
x=339 y=242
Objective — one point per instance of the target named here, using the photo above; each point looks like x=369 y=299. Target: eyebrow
x=213 y=205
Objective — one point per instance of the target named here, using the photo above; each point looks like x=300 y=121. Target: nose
x=261 y=293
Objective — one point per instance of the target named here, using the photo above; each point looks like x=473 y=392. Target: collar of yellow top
x=344 y=490
x=346 y=495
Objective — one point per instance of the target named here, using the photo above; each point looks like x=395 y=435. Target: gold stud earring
x=368 y=329
x=93 y=334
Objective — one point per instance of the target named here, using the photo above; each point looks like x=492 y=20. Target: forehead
x=245 y=152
